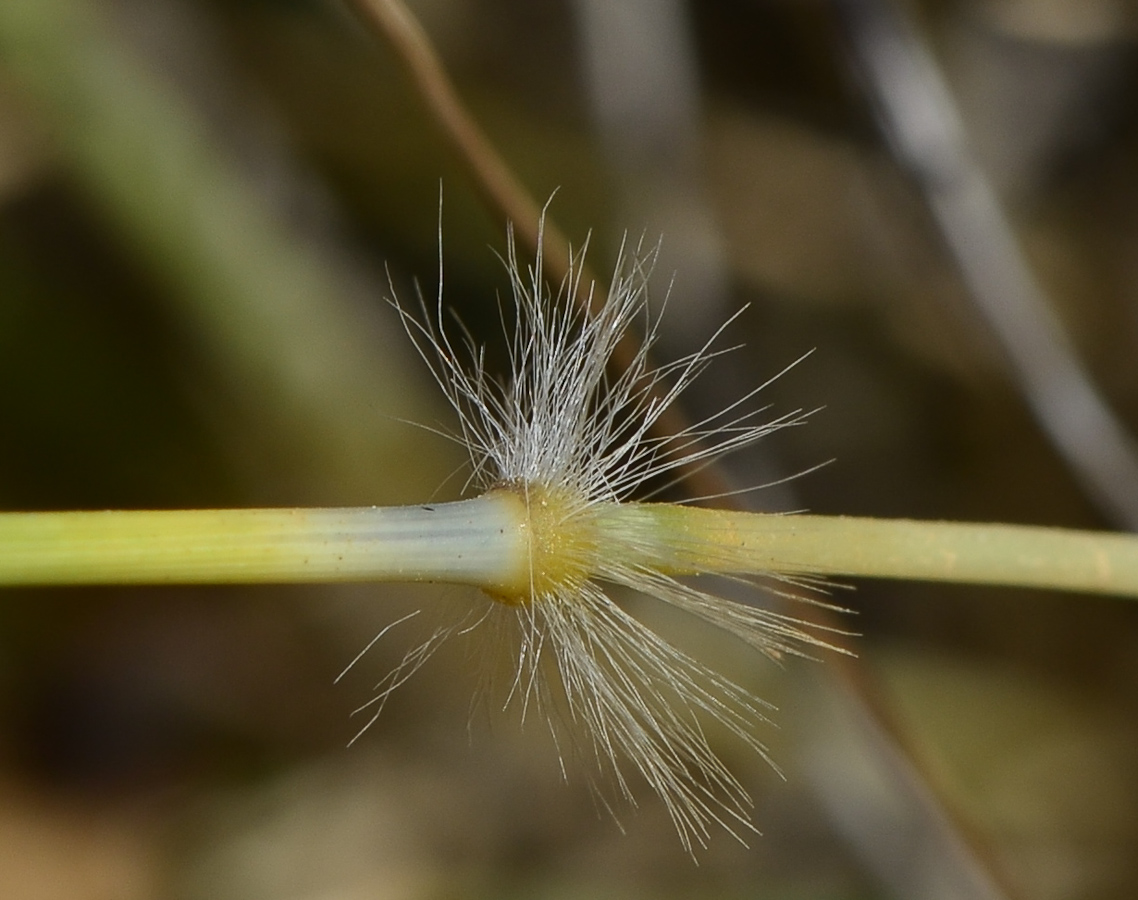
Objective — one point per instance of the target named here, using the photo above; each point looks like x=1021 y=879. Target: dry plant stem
x=930 y=137
x=393 y=22
x=488 y=542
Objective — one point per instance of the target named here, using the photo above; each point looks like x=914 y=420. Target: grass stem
x=702 y=540
x=485 y=542
x=472 y=541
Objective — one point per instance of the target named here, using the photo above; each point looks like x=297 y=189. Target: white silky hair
x=609 y=687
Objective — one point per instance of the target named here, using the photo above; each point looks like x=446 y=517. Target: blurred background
x=203 y=206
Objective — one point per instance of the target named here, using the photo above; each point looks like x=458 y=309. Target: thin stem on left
x=480 y=541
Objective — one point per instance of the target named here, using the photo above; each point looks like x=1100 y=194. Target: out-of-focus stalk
x=280 y=320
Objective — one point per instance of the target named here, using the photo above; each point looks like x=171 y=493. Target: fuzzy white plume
x=576 y=442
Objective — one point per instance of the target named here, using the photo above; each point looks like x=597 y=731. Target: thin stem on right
x=689 y=540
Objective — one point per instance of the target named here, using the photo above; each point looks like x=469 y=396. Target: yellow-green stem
x=495 y=542
x=689 y=540
x=477 y=541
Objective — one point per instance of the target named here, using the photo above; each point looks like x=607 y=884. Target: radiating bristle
x=574 y=443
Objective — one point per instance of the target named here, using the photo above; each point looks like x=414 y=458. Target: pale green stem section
x=480 y=541
x=487 y=542
x=684 y=540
